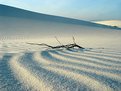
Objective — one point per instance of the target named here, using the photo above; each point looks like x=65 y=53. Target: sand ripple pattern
x=61 y=70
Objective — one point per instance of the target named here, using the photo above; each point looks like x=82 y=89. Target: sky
x=92 y=10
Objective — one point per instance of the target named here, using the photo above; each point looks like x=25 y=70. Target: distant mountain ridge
x=20 y=13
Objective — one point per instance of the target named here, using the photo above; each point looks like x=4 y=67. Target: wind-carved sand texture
x=96 y=69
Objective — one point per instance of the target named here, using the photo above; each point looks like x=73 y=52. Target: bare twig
x=74 y=40
x=58 y=41
x=68 y=46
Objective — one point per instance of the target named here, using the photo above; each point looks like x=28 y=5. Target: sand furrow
x=55 y=81
x=101 y=53
x=8 y=81
x=95 y=55
x=47 y=62
x=82 y=60
x=97 y=76
x=49 y=65
x=31 y=82
x=61 y=70
x=106 y=51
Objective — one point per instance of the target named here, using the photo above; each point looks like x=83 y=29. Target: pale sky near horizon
x=80 y=9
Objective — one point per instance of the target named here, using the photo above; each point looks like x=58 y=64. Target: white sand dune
x=25 y=67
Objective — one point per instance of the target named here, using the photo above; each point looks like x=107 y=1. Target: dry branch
x=68 y=46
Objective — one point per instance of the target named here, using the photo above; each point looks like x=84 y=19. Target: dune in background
x=110 y=22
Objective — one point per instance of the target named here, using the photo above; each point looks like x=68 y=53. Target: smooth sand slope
x=16 y=22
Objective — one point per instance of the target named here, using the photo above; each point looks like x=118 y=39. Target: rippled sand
x=96 y=69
